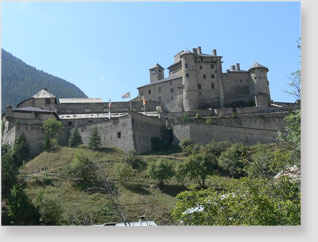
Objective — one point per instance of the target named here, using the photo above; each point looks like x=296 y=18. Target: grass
x=140 y=195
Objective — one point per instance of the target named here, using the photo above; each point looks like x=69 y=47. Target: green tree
x=75 y=138
x=234 y=160
x=217 y=147
x=21 y=150
x=83 y=168
x=94 y=139
x=20 y=209
x=250 y=202
x=200 y=165
x=181 y=172
x=50 y=210
x=135 y=161
x=8 y=171
x=52 y=129
x=125 y=171
x=186 y=146
x=160 y=170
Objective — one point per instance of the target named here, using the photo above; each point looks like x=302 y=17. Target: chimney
x=195 y=51
x=199 y=50
x=214 y=52
x=238 y=66
x=232 y=68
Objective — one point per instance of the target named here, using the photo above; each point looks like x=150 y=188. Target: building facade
x=196 y=81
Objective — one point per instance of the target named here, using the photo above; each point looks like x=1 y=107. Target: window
x=159 y=99
x=118 y=135
x=159 y=70
x=170 y=83
x=149 y=91
x=187 y=75
x=212 y=76
x=47 y=101
x=200 y=67
x=212 y=85
x=212 y=66
x=171 y=90
x=199 y=86
x=261 y=70
x=240 y=80
x=204 y=76
x=159 y=89
x=186 y=65
x=255 y=77
x=153 y=71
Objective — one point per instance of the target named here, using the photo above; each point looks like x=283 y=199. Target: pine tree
x=75 y=138
x=94 y=140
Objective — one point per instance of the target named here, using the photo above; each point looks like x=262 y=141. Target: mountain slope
x=21 y=81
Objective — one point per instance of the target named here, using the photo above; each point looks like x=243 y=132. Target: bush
x=186 y=146
x=83 y=168
x=217 y=147
x=234 y=160
x=75 y=138
x=197 y=116
x=50 y=210
x=161 y=170
x=184 y=119
x=124 y=171
x=210 y=121
x=94 y=139
x=135 y=161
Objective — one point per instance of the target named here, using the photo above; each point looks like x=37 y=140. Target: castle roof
x=43 y=94
x=33 y=109
x=80 y=100
x=257 y=65
x=155 y=66
x=163 y=80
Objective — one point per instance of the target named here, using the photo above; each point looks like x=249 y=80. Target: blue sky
x=106 y=48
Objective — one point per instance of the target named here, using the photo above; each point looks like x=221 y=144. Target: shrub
x=83 y=168
x=161 y=170
x=197 y=116
x=94 y=139
x=50 y=210
x=217 y=147
x=186 y=146
x=124 y=171
x=135 y=161
x=234 y=160
x=184 y=119
x=210 y=121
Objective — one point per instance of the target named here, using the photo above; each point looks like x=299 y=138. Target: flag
x=143 y=101
x=109 y=106
x=127 y=95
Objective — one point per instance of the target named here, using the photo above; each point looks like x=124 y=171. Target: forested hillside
x=20 y=81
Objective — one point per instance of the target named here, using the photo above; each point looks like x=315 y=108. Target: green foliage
x=160 y=170
x=94 y=139
x=234 y=160
x=251 y=202
x=234 y=115
x=184 y=119
x=197 y=116
x=8 y=171
x=125 y=171
x=217 y=147
x=20 y=209
x=21 y=150
x=210 y=121
x=266 y=163
x=20 y=81
x=75 y=138
x=200 y=165
x=181 y=172
x=52 y=127
x=47 y=143
x=186 y=146
x=83 y=168
x=50 y=210
x=135 y=161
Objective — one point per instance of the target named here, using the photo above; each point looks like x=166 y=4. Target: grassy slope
x=140 y=195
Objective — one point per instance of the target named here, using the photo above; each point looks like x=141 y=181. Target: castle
x=237 y=103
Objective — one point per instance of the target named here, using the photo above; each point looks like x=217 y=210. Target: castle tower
x=260 y=84
x=156 y=73
x=189 y=80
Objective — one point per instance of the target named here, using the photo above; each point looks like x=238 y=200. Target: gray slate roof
x=80 y=100
x=33 y=109
x=43 y=94
x=155 y=66
x=257 y=65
